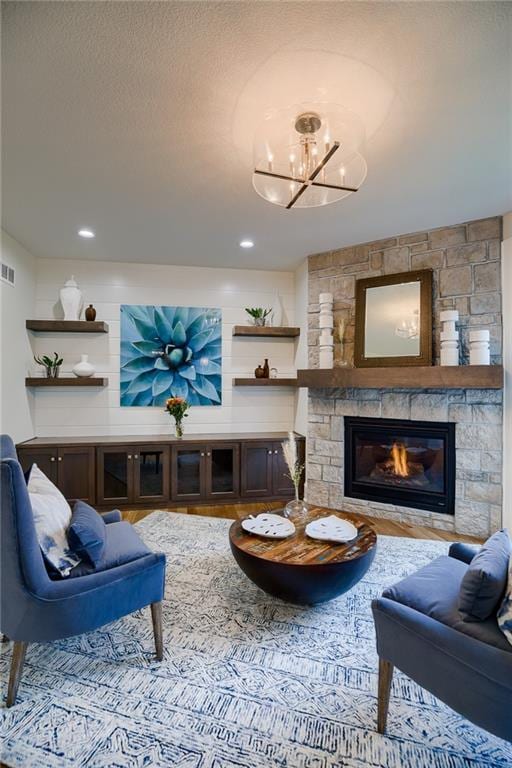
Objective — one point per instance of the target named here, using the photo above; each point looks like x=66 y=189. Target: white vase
x=84 y=368
x=277 y=310
x=71 y=300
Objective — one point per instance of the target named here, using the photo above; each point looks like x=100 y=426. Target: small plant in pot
x=258 y=314
x=51 y=365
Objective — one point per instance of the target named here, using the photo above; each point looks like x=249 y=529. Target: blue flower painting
x=170 y=352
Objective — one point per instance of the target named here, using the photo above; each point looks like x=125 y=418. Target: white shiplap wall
x=17 y=404
x=107 y=285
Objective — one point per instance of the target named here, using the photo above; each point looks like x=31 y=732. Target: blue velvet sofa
x=466 y=664
x=37 y=608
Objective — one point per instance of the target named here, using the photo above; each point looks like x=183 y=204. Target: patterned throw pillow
x=52 y=515
x=505 y=611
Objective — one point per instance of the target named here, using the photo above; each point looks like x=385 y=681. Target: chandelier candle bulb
x=479 y=352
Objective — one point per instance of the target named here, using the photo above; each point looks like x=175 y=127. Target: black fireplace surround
x=396 y=461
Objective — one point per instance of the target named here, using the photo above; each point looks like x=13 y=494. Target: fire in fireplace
x=408 y=463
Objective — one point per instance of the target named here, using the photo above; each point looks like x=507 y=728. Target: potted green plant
x=258 y=314
x=51 y=365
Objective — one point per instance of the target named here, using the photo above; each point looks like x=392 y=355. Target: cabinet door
x=188 y=473
x=75 y=473
x=115 y=474
x=222 y=470
x=282 y=484
x=45 y=458
x=256 y=469
x=151 y=469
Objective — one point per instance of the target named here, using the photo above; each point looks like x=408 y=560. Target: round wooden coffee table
x=299 y=569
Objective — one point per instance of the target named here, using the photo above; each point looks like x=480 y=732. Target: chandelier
x=308 y=156
x=409 y=329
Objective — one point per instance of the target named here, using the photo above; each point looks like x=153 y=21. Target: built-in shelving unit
x=410 y=377
x=67 y=326
x=279 y=382
x=268 y=332
x=66 y=381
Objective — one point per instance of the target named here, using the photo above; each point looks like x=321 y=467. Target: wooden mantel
x=410 y=377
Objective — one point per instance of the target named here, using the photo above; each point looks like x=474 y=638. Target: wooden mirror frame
x=424 y=277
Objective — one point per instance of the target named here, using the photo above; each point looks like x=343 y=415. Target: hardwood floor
x=237 y=511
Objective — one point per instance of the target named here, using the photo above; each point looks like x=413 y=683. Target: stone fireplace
x=465 y=260
x=398 y=460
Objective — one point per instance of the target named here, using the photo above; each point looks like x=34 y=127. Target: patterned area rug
x=247 y=681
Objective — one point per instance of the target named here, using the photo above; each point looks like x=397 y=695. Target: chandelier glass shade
x=308 y=155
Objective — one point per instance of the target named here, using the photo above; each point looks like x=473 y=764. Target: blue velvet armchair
x=37 y=608
x=466 y=664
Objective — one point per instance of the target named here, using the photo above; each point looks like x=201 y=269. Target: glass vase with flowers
x=177 y=407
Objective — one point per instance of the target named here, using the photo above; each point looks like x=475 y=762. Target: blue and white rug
x=247 y=681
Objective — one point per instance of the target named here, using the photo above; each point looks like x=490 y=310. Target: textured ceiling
x=136 y=119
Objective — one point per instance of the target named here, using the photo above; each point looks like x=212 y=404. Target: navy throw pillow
x=87 y=533
x=483 y=585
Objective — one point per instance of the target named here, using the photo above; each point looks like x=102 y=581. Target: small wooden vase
x=90 y=313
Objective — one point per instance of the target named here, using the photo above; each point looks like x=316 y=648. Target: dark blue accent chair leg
x=385 y=680
x=17 y=661
x=156 y=617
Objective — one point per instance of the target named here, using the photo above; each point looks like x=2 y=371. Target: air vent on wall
x=7 y=274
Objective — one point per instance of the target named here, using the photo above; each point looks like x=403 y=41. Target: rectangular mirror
x=394 y=320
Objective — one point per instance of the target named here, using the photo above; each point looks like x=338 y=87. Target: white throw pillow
x=52 y=515
x=505 y=611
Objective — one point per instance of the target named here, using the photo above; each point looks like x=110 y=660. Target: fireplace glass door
x=407 y=463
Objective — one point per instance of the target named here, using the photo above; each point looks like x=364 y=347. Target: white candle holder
x=326 y=323
x=479 y=352
x=449 y=337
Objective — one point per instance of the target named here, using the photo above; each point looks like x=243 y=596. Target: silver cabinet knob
x=136 y=456
x=208 y=453
x=60 y=458
x=52 y=458
x=202 y=454
x=129 y=455
x=270 y=453
x=276 y=451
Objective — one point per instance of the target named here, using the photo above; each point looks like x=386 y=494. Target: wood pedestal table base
x=302 y=570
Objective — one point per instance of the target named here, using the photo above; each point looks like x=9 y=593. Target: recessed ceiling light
x=246 y=244
x=86 y=233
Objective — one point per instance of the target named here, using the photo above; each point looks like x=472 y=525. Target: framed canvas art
x=170 y=352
